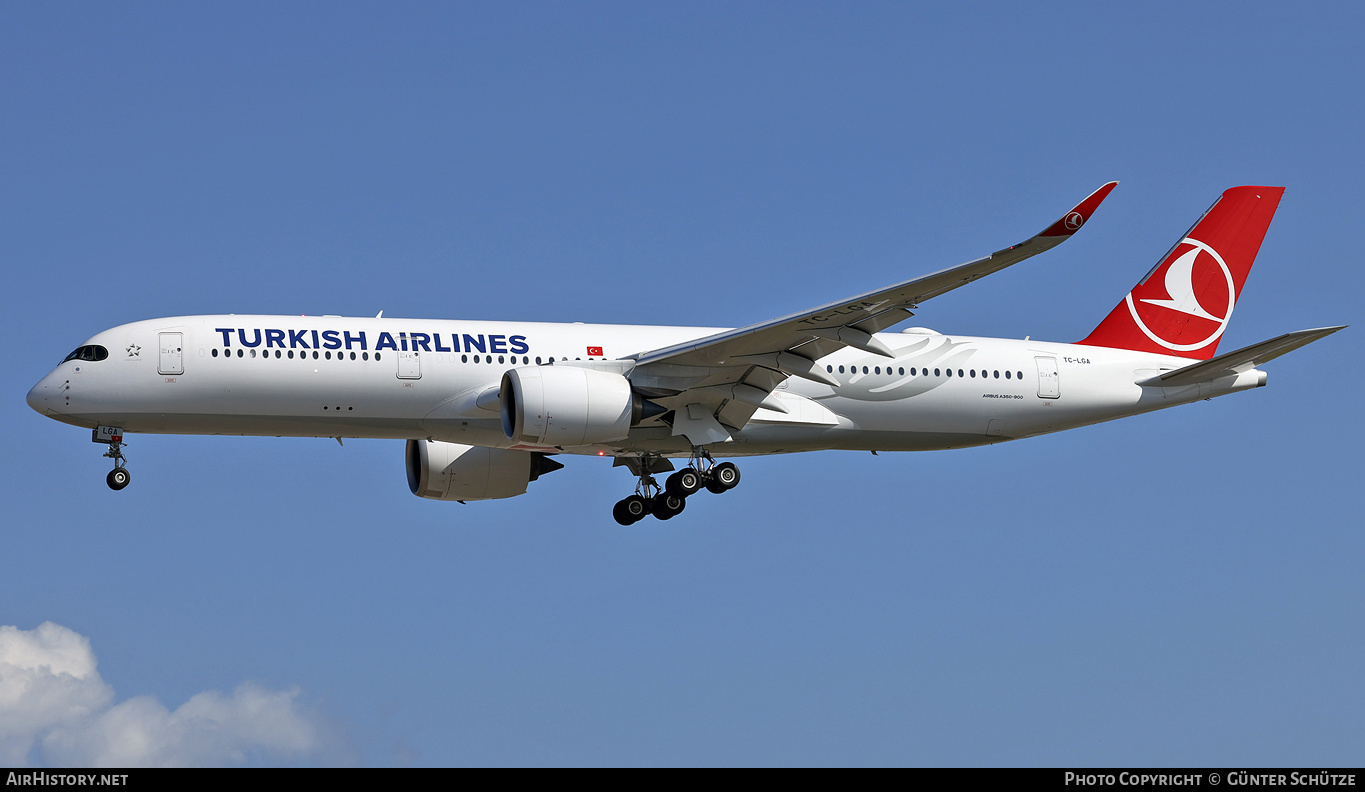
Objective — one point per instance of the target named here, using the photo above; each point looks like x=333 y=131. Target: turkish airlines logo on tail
x=1197 y=284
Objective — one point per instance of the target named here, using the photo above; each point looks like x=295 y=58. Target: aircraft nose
x=39 y=396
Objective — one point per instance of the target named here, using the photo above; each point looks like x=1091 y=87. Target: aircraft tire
x=634 y=510
x=118 y=478
x=683 y=483
x=668 y=506
x=726 y=474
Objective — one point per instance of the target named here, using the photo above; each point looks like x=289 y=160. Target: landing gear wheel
x=630 y=510
x=118 y=478
x=725 y=475
x=684 y=483
x=668 y=506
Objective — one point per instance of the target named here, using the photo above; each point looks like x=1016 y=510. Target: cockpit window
x=92 y=352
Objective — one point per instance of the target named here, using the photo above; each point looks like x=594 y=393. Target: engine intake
x=567 y=406
x=452 y=471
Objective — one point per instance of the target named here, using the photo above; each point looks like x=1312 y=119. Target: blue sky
x=1178 y=588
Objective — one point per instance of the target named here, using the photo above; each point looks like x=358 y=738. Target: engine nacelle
x=452 y=471
x=567 y=405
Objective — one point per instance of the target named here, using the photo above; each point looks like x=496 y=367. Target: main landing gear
x=668 y=501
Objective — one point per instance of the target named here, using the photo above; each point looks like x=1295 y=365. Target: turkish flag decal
x=595 y=351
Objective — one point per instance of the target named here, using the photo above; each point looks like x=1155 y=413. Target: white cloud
x=55 y=709
x=47 y=680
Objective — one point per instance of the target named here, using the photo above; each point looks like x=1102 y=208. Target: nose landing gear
x=668 y=501
x=119 y=477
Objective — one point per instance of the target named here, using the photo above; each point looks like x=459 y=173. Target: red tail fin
x=1184 y=304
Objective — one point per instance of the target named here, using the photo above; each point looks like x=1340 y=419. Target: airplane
x=484 y=406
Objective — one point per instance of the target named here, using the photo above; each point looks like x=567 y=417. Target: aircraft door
x=1048 y=385
x=171 y=359
x=409 y=365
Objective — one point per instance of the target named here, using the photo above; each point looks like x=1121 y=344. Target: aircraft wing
x=720 y=381
x=1244 y=359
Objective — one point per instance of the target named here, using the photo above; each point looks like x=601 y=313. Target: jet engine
x=569 y=406
x=451 y=471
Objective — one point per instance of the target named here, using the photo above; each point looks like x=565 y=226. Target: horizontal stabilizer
x=1245 y=359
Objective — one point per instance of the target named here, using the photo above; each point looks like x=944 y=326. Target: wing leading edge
x=715 y=384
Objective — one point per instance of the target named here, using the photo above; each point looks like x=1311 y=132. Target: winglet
x=1072 y=221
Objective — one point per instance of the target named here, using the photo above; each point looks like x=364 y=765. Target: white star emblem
x=133 y=349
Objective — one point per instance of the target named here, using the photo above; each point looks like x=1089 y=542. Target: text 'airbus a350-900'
x=484 y=406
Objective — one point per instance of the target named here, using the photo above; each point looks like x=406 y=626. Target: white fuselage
x=410 y=379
